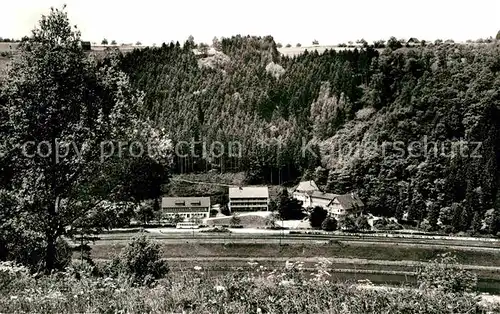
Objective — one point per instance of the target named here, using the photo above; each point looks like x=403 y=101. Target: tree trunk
x=51 y=236
x=50 y=254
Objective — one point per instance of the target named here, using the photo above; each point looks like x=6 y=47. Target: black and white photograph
x=250 y=157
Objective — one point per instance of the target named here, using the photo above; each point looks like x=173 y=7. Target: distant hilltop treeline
x=10 y=44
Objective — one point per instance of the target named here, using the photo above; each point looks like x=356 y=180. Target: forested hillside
x=282 y=109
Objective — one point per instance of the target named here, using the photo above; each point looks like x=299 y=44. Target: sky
x=328 y=21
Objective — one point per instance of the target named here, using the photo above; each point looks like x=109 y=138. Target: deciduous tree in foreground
x=58 y=108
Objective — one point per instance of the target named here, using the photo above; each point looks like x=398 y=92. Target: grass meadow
x=289 y=289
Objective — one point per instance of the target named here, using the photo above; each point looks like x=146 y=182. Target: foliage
x=271 y=220
x=282 y=290
x=386 y=224
x=288 y=207
x=148 y=210
x=275 y=70
x=235 y=220
x=29 y=248
x=394 y=44
x=477 y=223
x=329 y=224
x=433 y=218
x=348 y=223
x=494 y=226
x=58 y=108
x=216 y=229
x=445 y=274
x=317 y=216
x=140 y=260
x=362 y=223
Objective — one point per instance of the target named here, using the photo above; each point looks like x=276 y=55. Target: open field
x=392 y=252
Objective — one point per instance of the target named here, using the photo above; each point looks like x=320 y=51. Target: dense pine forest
x=414 y=130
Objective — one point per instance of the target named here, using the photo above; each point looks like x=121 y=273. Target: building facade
x=303 y=192
x=337 y=205
x=248 y=199
x=189 y=208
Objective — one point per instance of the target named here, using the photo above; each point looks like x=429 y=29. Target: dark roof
x=350 y=200
x=326 y=196
x=187 y=202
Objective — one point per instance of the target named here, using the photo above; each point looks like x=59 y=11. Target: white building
x=337 y=205
x=249 y=198
x=303 y=192
x=321 y=199
x=188 y=208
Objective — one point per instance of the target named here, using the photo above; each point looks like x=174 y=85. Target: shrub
x=140 y=260
x=347 y=223
x=13 y=277
x=386 y=224
x=28 y=248
x=362 y=223
x=235 y=220
x=317 y=216
x=445 y=274
x=329 y=224
x=216 y=230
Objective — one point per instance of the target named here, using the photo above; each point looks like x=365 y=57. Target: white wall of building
x=303 y=197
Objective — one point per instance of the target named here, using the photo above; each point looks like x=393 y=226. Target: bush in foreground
x=446 y=274
x=140 y=261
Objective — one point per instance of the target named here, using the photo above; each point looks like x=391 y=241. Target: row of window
x=248 y=209
x=188 y=215
x=247 y=204
x=185 y=210
x=239 y=199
